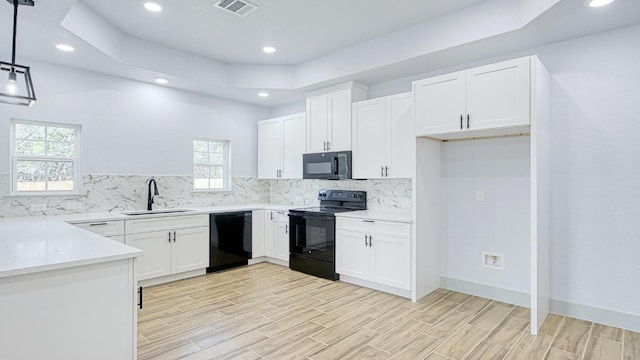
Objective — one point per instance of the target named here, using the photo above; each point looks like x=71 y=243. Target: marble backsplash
x=107 y=193
x=382 y=194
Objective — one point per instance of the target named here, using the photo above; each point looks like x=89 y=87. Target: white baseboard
x=597 y=315
x=374 y=286
x=486 y=291
x=578 y=311
x=170 y=278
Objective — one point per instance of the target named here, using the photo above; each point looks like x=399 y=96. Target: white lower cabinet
x=171 y=245
x=375 y=251
x=257 y=233
x=276 y=235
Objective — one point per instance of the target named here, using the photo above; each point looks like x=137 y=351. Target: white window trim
x=13 y=160
x=227 y=179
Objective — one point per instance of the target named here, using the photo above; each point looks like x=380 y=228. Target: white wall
x=595 y=184
x=130 y=127
x=499 y=224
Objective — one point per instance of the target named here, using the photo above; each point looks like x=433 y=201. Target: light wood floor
x=266 y=311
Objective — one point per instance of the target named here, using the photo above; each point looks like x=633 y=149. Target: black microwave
x=327 y=166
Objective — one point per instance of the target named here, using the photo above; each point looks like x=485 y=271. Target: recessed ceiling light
x=269 y=49
x=161 y=81
x=151 y=6
x=65 y=47
x=597 y=3
x=263 y=94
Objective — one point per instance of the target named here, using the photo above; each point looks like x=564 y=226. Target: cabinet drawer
x=279 y=216
x=166 y=223
x=375 y=227
x=104 y=228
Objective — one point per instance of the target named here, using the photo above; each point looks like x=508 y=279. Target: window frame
x=226 y=166
x=14 y=158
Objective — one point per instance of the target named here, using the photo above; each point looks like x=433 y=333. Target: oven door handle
x=334 y=166
x=323 y=216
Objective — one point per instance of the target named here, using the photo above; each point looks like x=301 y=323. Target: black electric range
x=313 y=232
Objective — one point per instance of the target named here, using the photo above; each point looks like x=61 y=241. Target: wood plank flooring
x=266 y=311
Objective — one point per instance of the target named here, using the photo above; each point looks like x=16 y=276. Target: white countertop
x=106 y=216
x=43 y=243
x=397 y=216
x=31 y=246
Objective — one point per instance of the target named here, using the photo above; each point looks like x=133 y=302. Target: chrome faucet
x=150 y=196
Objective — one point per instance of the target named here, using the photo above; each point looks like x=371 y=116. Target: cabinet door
x=352 y=255
x=190 y=249
x=269 y=149
x=439 y=102
x=498 y=94
x=317 y=119
x=269 y=233
x=370 y=131
x=281 y=241
x=294 y=144
x=339 y=121
x=257 y=233
x=391 y=261
x=402 y=137
x=156 y=260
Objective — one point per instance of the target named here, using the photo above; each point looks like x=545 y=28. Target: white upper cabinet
x=370 y=152
x=383 y=137
x=281 y=143
x=329 y=117
x=293 y=145
x=440 y=103
x=269 y=148
x=484 y=101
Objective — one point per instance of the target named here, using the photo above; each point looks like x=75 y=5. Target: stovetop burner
x=323 y=210
x=337 y=201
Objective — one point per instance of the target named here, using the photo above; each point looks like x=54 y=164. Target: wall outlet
x=479 y=195
x=492 y=260
x=38 y=207
x=73 y=205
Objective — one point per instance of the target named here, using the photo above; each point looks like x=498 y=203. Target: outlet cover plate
x=492 y=260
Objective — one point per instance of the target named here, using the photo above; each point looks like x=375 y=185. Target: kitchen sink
x=151 y=212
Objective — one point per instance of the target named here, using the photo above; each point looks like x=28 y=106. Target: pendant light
x=19 y=88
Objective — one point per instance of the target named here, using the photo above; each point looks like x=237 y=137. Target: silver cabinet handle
x=386 y=171
x=460 y=122
x=174 y=236
x=286 y=229
x=468 y=117
x=328 y=147
x=365 y=240
x=381 y=171
x=98 y=224
x=369 y=221
x=370 y=241
x=169 y=236
x=324 y=145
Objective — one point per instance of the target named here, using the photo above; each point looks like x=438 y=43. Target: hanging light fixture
x=19 y=88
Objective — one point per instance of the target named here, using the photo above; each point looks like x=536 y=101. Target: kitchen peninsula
x=65 y=293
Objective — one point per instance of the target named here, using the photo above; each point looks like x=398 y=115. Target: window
x=44 y=157
x=211 y=165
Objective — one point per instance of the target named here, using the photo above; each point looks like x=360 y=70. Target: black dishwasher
x=229 y=240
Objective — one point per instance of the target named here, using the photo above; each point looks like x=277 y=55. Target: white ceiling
x=203 y=49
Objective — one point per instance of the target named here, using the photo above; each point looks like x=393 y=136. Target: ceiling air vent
x=238 y=7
